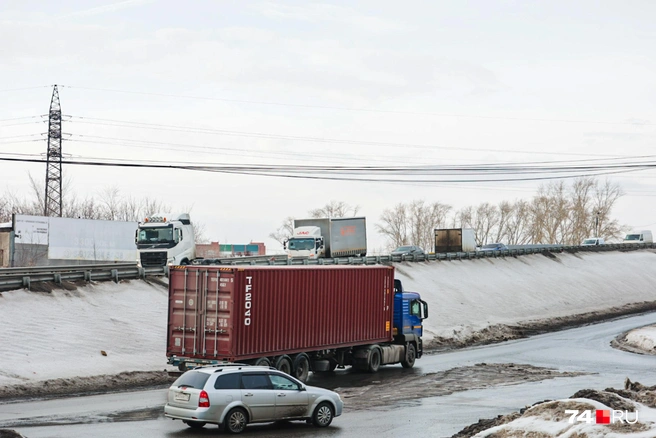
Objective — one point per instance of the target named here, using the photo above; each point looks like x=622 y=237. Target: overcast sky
x=446 y=82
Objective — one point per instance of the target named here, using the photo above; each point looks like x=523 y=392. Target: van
x=639 y=237
x=593 y=241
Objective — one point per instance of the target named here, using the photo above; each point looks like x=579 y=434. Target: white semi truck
x=166 y=239
x=328 y=237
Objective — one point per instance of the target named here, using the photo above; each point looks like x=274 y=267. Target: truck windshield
x=589 y=241
x=304 y=244
x=153 y=235
x=632 y=237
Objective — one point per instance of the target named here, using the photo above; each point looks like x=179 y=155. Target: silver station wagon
x=236 y=395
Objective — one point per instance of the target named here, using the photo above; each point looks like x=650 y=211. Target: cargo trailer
x=295 y=318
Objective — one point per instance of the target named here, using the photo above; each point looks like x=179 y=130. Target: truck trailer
x=328 y=237
x=454 y=240
x=295 y=318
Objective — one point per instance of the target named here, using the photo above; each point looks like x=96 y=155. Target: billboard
x=30 y=230
x=79 y=239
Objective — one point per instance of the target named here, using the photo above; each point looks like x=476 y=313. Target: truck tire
x=263 y=362
x=410 y=356
x=374 y=360
x=301 y=367
x=284 y=364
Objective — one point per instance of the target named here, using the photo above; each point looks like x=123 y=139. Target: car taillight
x=203 y=400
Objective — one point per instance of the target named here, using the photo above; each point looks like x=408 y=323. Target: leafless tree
x=394 y=226
x=335 y=209
x=413 y=223
x=518 y=225
x=284 y=231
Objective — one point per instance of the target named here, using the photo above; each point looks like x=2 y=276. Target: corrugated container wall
x=232 y=313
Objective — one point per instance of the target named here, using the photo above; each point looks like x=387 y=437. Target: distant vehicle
x=493 y=247
x=235 y=395
x=639 y=237
x=328 y=237
x=454 y=240
x=593 y=241
x=408 y=250
x=166 y=238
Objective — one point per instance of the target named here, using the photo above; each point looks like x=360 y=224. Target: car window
x=403 y=248
x=255 y=381
x=192 y=379
x=281 y=382
x=228 y=381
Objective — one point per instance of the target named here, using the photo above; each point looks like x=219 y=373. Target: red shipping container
x=245 y=312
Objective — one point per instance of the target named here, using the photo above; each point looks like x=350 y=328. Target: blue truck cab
x=409 y=312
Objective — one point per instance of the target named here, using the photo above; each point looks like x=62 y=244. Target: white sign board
x=31 y=230
x=86 y=239
x=79 y=239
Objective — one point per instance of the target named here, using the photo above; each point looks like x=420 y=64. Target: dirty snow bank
x=549 y=419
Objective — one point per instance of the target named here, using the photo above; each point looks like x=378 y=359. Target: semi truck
x=166 y=239
x=328 y=237
x=295 y=318
x=454 y=240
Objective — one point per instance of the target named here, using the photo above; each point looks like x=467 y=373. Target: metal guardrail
x=16 y=278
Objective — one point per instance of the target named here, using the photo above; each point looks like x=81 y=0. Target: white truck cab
x=306 y=242
x=165 y=239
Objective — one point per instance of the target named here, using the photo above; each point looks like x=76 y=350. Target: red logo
x=303 y=232
x=347 y=231
x=603 y=416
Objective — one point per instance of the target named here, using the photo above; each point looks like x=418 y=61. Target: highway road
x=431 y=403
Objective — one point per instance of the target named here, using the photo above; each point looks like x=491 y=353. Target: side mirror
x=284 y=244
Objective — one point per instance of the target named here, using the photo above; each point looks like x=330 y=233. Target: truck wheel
x=262 y=362
x=284 y=364
x=374 y=360
x=410 y=356
x=301 y=367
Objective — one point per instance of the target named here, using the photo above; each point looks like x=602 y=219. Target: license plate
x=181 y=396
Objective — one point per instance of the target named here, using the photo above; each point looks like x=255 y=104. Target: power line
x=7 y=90
x=312 y=173
x=162 y=127
x=298 y=105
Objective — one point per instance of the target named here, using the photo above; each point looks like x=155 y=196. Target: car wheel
x=410 y=356
x=323 y=415
x=374 y=360
x=195 y=424
x=235 y=421
x=301 y=367
x=284 y=364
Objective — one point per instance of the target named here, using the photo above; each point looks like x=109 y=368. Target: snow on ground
x=64 y=333
x=643 y=339
x=469 y=295
x=630 y=413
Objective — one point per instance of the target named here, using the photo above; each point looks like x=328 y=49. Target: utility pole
x=53 y=198
x=597 y=224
